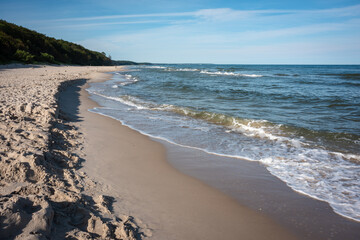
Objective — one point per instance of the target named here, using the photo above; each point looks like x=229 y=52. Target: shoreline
x=171 y=204
x=262 y=192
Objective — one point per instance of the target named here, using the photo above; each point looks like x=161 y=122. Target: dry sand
x=42 y=190
x=69 y=173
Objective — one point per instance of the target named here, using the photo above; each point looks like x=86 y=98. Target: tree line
x=19 y=44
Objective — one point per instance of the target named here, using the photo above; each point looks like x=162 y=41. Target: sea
x=302 y=122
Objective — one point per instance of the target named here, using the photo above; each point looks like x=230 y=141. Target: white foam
x=127 y=83
x=159 y=67
x=230 y=74
x=321 y=175
x=129 y=79
x=263 y=131
x=182 y=69
x=128 y=100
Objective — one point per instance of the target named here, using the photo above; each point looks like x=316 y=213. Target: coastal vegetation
x=19 y=44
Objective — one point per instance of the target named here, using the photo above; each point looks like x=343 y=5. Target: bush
x=24 y=56
x=45 y=57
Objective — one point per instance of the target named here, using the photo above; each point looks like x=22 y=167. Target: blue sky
x=199 y=31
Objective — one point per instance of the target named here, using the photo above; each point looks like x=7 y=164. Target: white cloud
x=150 y=15
x=224 y=14
x=188 y=44
x=212 y=18
x=96 y=24
x=205 y=36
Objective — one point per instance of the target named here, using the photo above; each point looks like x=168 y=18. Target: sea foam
x=231 y=74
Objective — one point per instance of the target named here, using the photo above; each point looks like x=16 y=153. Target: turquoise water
x=301 y=122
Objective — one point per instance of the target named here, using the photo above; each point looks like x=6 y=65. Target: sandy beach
x=67 y=172
x=44 y=195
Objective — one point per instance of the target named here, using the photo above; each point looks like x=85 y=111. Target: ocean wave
x=182 y=69
x=231 y=74
x=296 y=156
x=156 y=67
x=262 y=129
x=127 y=79
x=224 y=73
x=128 y=100
x=172 y=69
x=322 y=175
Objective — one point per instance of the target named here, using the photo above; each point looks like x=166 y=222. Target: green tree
x=24 y=56
x=45 y=57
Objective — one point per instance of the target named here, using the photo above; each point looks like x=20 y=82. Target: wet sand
x=251 y=184
x=165 y=203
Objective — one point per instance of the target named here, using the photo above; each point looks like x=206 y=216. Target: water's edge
x=344 y=207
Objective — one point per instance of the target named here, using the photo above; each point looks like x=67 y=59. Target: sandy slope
x=41 y=187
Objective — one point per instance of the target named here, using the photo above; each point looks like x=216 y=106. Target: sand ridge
x=42 y=190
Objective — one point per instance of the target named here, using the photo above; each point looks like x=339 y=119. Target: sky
x=200 y=31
